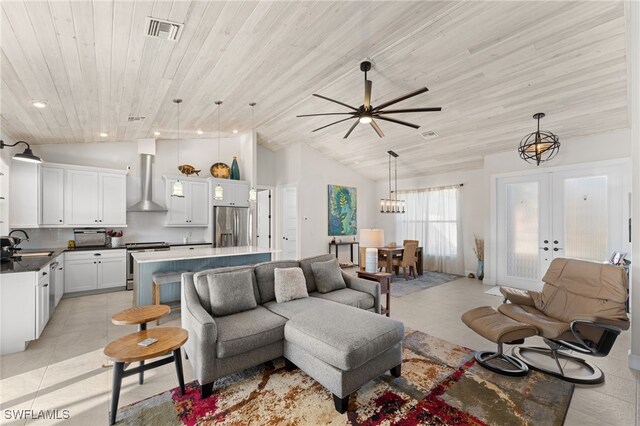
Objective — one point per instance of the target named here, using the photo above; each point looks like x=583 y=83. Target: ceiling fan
x=366 y=113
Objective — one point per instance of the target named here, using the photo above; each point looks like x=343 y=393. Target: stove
x=134 y=247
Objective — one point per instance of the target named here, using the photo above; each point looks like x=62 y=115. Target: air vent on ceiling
x=428 y=134
x=165 y=30
x=136 y=118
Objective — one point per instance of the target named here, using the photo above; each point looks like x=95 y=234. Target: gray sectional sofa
x=337 y=337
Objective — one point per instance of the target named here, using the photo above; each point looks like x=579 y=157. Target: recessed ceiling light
x=235 y=131
x=103 y=135
x=39 y=103
x=156 y=133
x=356 y=162
x=199 y=132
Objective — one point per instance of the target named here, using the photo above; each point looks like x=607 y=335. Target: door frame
x=254 y=211
x=279 y=227
x=491 y=240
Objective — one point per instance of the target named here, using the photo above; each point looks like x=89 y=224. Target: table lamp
x=371 y=239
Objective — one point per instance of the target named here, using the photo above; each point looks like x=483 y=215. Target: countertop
x=29 y=264
x=197 y=253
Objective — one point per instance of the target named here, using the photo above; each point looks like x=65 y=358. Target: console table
x=385 y=287
x=346 y=243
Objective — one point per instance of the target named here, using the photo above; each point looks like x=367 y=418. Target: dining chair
x=409 y=259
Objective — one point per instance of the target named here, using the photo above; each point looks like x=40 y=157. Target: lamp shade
x=371 y=237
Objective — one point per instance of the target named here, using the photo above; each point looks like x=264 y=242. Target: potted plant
x=115 y=237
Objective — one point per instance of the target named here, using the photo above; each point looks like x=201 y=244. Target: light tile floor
x=65 y=368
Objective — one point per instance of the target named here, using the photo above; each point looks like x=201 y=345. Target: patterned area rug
x=401 y=287
x=441 y=384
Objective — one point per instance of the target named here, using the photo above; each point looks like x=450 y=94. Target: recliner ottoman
x=343 y=348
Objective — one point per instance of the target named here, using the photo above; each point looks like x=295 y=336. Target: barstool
x=161 y=279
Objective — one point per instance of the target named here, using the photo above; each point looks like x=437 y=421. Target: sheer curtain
x=433 y=216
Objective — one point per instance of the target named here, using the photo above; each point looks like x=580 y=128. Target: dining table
x=391 y=252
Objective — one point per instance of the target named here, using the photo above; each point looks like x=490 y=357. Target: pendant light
x=177 y=185
x=218 y=192
x=392 y=204
x=539 y=146
x=253 y=193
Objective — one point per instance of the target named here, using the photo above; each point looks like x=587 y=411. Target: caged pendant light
x=539 y=146
x=218 y=192
x=253 y=193
x=178 y=190
x=392 y=204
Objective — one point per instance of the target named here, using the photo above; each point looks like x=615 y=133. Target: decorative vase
x=235 y=170
x=116 y=242
x=480 y=270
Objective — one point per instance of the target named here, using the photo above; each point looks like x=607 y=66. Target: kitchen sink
x=33 y=253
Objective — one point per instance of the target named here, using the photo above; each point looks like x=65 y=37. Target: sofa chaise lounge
x=336 y=337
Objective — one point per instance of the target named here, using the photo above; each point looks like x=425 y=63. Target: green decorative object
x=343 y=212
x=235 y=170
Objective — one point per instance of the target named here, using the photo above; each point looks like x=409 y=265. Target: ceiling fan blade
x=377 y=128
x=333 y=100
x=351 y=129
x=401 y=98
x=327 y=113
x=367 y=93
x=393 y=120
x=335 y=122
x=401 y=111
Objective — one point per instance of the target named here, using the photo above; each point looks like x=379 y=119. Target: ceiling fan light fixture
x=365 y=119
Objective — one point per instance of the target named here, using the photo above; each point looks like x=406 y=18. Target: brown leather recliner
x=581 y=308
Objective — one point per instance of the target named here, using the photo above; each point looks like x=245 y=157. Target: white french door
x=575 y=214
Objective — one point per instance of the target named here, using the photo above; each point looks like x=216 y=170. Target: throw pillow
x=328 y=276
x=289 y=284
x=231 y=292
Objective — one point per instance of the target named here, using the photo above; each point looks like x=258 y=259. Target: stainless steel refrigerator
x=231 y=227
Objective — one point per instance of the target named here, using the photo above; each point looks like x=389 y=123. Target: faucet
x=19 y=240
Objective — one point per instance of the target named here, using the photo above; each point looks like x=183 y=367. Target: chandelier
x=539 y=146
x=392 y=204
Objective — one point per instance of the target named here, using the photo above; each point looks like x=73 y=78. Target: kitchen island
x=145 y=264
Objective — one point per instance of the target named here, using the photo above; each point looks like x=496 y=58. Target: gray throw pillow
x=328 y=276
x=231 y=292
x=289 y=284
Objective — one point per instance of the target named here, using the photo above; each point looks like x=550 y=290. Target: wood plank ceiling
x=490 y=65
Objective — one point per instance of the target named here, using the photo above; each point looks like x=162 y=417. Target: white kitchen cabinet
x=59 y=279
x=23 y=195
x=52 y=196
x=42 y=300
x=18 y=297
x=236 y=192
x=112 y=272
x=95 y=198
x=193 y=208
x=93 y=270
x=81 y=198
x=112 y=199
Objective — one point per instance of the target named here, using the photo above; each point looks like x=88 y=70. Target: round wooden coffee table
x=140 y=316
x=126 y=350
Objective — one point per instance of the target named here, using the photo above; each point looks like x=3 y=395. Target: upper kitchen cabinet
x=193 y=208
x=52 y=196
x=59 y=195
x=95 y=198
x=24 y=190
x=236 y=192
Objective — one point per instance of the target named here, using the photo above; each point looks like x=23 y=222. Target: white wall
x=589 y=149
x=201 y=153
x=472 y=207
x=312 y=172
x=634 y=96
x=266 y=167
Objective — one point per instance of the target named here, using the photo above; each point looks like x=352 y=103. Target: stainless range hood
x=146 y=204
